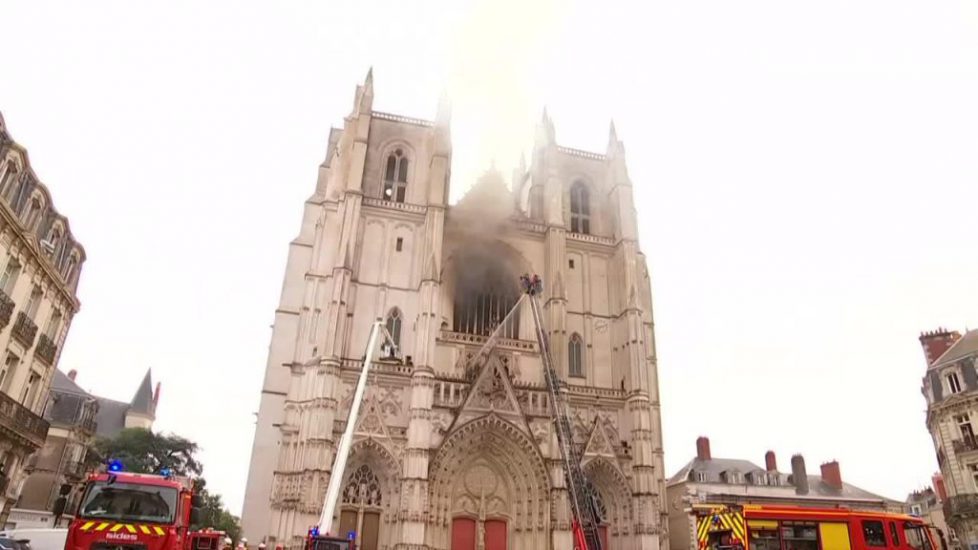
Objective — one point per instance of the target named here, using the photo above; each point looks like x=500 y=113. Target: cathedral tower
x=448 y=454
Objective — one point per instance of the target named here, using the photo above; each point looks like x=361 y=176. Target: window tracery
x=363 y=488
x=395 y=176
x=580 y=208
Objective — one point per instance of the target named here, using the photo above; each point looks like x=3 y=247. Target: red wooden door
x=603 y=536
x=463 y=534
x=495 y=534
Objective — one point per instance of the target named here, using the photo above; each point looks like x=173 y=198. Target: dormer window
x=9 y=178
x=700 y=476
x=730 y=477
x=953 y=383
x=395 y=176
x=51 y=244
x=70 y=267
x=32 y=213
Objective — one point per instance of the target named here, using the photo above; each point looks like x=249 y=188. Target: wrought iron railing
x=46 y=349
x=25 y=330
x=19 y=420
x=6 y=309
x=961 y=506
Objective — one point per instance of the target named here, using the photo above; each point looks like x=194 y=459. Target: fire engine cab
x=128 y=511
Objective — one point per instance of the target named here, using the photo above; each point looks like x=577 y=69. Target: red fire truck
x=127 y=511
x=767 y=527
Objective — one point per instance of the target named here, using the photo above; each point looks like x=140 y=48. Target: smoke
x=492 y=83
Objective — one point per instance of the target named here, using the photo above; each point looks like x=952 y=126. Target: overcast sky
x=805 y=172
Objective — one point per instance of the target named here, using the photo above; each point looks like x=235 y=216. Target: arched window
x=53 y=241
x=8 y=176
x=395 y=176
x=485 y=293
x=394 y=326
x=580 y=208
x=32 y=214
x=70 y=267
x=575 y=355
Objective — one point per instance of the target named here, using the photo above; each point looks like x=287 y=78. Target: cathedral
x=453 y=451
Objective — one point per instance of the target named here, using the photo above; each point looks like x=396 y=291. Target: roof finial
x=444 y=114
x=612 y=134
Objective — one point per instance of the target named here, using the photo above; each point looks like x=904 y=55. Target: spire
x=442 y=129
x=368 y=82
x=142 y=402
x=615 y=146
x=545 y=130
x=364 y=99
x=444 y=116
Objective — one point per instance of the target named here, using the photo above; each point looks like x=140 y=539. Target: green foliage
x=213 y=514
x=142 y=451
x=145 y=452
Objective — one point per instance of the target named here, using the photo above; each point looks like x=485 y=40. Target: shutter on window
x=935 y=384
x=970 y=377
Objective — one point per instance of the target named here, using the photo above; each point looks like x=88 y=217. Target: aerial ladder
x=584 y=525
x=323 y=540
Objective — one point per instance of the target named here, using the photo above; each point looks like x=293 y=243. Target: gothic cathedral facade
x=450 y=454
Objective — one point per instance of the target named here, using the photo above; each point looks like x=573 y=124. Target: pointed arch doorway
x=361 y=508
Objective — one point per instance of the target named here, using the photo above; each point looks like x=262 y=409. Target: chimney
x=938 y=481
x=703 y=448
x=799 y=477
x=770 y=461
x=831 y=475
x=72 y=374
x=936 y=342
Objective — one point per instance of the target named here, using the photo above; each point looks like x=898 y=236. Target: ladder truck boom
x=322 y=541
x=585 y=524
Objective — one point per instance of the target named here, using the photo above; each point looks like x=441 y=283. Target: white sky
x=805 y=174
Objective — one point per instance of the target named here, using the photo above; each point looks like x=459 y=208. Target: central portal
x=465 y=534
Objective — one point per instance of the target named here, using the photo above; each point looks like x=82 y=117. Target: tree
x=145 y=452
x=214 y=514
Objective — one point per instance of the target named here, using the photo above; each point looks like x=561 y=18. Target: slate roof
x=142 y=402
x=111 y=416
x=965 y=346
x=817 y=489
x=62 y=383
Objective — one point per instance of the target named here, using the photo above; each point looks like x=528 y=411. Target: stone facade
x=39 y=266
x=950 y=387
x=448 y=453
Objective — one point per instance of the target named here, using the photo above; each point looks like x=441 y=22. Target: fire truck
x=764 y=527
x=127 y=511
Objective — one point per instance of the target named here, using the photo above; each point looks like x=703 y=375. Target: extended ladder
x=585 y=522
x=585 y=525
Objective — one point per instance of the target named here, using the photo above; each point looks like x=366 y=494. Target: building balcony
x=965 y=445
x=6 y=309
x=961 y=506
x=75 y=470
x=19 y=422
x=24 y=330
x=46 y=349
